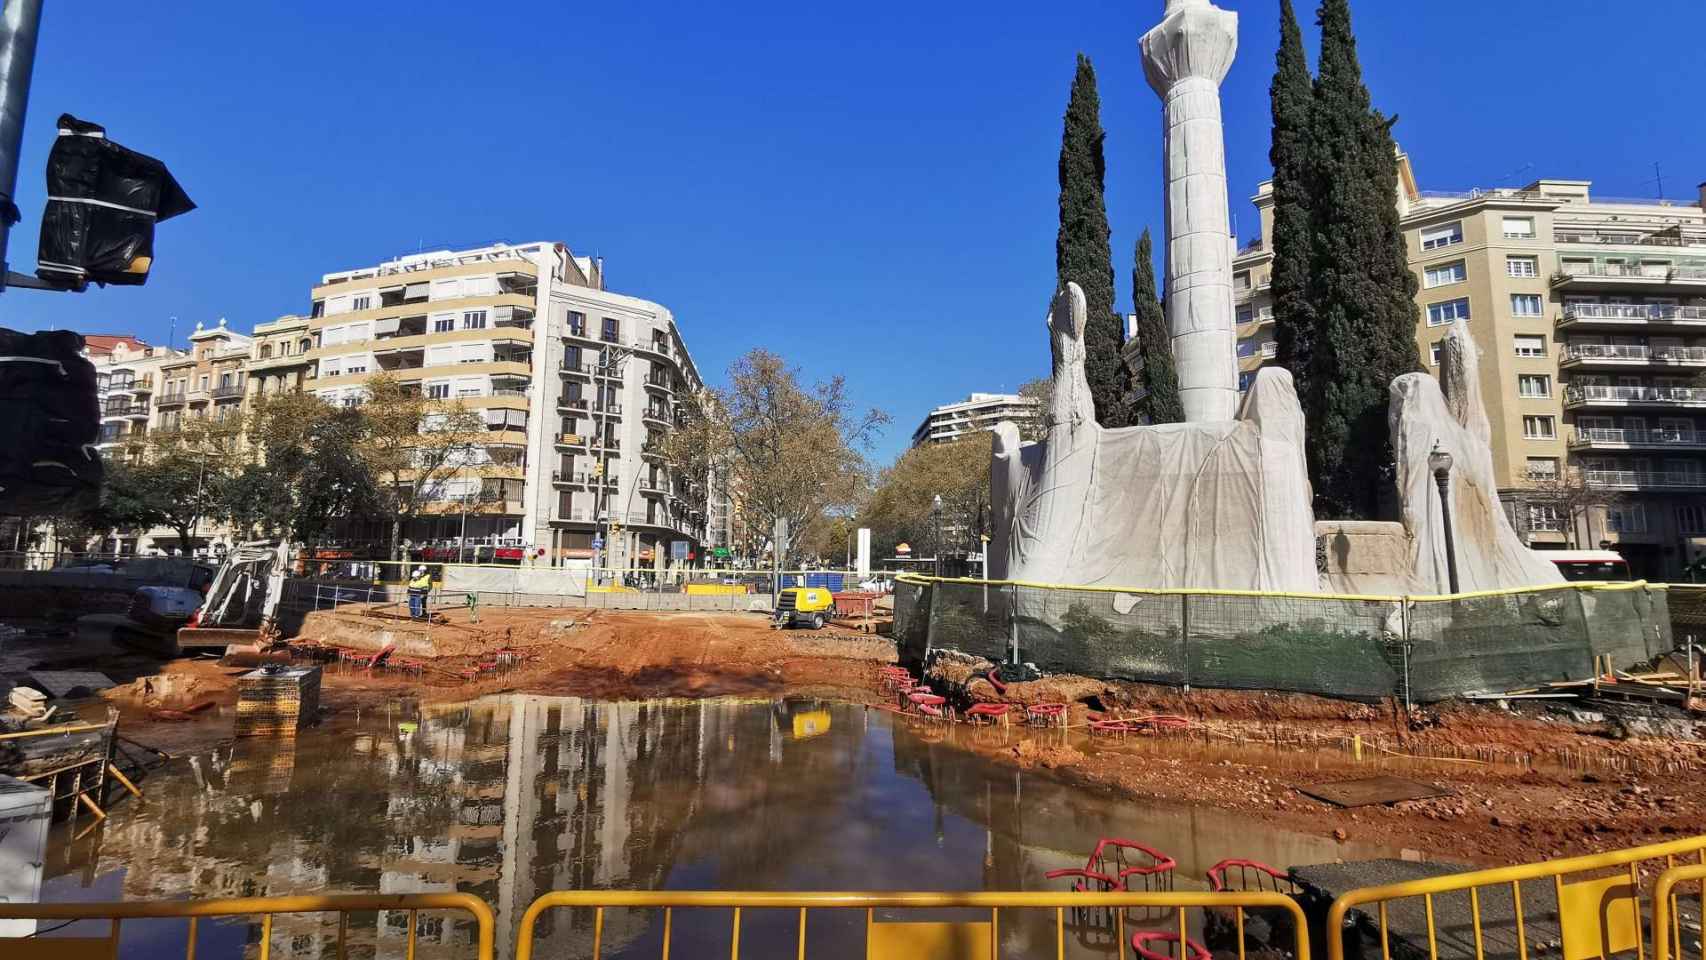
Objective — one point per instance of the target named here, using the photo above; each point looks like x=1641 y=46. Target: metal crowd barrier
x=1596 y=916
x=902 y=940
x=1667 y=918
x=107 y=947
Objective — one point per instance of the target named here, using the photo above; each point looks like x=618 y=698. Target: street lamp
x=1440 y=463
x=936 y=513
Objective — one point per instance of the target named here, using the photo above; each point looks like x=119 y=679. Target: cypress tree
x=1160 y=379
x=1289 y=96
x=1362 y=288
x=1081 y=251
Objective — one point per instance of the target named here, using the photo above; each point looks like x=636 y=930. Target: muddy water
x=512 y=796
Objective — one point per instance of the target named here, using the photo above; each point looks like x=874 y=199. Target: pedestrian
x=419 y=586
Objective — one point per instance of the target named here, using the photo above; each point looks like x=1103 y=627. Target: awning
x=385 y=325
x=414 y=291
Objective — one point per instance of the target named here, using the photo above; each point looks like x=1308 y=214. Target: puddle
x=512 y=796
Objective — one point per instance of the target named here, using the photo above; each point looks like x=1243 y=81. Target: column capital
x=1195 y=39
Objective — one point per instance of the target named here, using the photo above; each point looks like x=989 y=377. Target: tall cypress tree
x=1160 y=379
x=1362 y=287
x=1081 y=251
x=1289 y=96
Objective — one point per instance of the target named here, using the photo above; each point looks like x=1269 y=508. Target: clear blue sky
x=868 y=188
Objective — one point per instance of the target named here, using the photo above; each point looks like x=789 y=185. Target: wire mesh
x=1351 y=647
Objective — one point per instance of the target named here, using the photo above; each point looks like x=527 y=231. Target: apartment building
x=980 y=411
x=1590 y=316
x=127 y=372
x=279 y=361
x=573 y=382
x=207 y=381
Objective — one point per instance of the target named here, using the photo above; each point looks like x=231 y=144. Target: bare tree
x=791 y=452
x=414 y=446
x=1569 y=494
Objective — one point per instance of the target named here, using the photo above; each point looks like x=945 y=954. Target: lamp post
x=936 y=514
x=1440 y=463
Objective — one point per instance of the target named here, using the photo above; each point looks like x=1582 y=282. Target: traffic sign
x=597 y=543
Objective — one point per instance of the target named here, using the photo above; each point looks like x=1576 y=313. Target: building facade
x=1590 y=317
x=980 y=411
x=127 y=372
x=575 y=385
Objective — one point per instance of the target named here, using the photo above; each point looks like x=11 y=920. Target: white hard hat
x=419 y=571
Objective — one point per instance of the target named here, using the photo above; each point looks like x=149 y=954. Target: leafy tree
x=414 y=447
x=1290 y=97
x=1362 y=287
x=1160 y=378
x=1081 y=251
x=308 y=469
x=790 y=451
x=901 y=507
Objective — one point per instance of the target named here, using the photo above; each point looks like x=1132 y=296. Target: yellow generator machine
x=812 y=606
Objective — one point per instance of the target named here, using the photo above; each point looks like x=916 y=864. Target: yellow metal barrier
x=890 y=940
x=1593 y=917
x=1667 y=920
x=106 y=947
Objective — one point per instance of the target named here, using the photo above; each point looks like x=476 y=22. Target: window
x=1525 y=304
x=1530 y=346
x=443 y=324
x=355 y=364
x=1442 y=274
x=1522 y=266
x=1539 y=428
x=1433 y=352
x=1442 y=236
x=474 y=320
x=1245 y=379
x=1241 y=280
x=1542 y=468
x=1270 y=348
x=1626 y=518
x=1655 y=268
x=1519 y=228
x=1691 y=518
x=577 y=323
x=1447 y=311
x=363 y=302
x=611 y=331
x=1533 y=385
x=1246 y=348
x=1246 y=313
x=1545 y=516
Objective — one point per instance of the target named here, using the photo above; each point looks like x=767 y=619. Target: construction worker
x=419 y=586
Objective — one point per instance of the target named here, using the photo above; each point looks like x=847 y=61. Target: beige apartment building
x=575 y=385
x=1590 y=315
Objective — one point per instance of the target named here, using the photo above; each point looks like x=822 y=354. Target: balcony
x=657 y=417
x=114 y=409
x=173 y=399
x=1608 y=396
x=575 y=369
x=228 y=392
x=1625 y=315
x=655 y=382
x=197 y=395
x=1646 y=479
x=576 y=440
x=1627 y=274
x=654 y=487
x=573 y=404
x=581 y=479
x=1607 y=438
x=610 y=408
x=1631 y=355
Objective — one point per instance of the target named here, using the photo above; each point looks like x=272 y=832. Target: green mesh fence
x=1357 y=648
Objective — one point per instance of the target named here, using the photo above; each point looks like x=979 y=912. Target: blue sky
x=867 y=188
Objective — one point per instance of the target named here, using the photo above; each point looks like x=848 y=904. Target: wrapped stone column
x=1185 y=57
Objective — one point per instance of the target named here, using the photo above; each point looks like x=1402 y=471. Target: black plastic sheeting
x=48 y=462
x=103 y=202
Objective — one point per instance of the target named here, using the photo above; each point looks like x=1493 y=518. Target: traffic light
x=103 y=200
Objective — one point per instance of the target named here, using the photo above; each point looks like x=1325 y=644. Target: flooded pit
x=512 y=796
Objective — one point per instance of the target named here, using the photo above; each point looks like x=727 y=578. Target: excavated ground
x=1526 y=784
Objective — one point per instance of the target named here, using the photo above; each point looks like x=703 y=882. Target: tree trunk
x=184 y=538
x=396 y=537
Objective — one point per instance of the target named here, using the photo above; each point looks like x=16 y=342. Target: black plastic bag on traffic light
x=48 y=463
x=103 y=200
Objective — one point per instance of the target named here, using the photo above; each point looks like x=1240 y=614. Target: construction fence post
x=1185 y=636
x=1404 y=624
x=1013 y=623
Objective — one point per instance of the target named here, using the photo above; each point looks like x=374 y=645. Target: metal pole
x=1443 y=478
x=19 y=25
x=1185 y=635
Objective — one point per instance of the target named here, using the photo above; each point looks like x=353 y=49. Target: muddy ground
x=1532 y=782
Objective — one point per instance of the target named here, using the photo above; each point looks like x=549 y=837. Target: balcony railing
x=124 y=410
x=166 y=399
x=573 y=403
x=1646 y=479
x=1609 y=436
x=227 y=392
x=1632 y=311
x=581 y=478
x=1627 y=271
x=610 y=407
x=1639 y=353
x=1594 y=393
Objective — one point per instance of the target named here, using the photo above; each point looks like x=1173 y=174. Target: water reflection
x=511 y=796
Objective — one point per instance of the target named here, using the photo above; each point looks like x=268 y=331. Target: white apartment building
x=573 y=382
x=980 y=411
